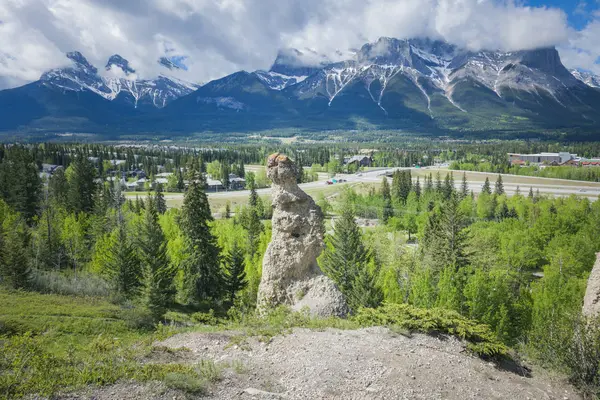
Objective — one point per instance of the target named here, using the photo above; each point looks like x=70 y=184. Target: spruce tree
x=346 y=255
x=16 y=267
x=159 y=199
x=123 y=264
x=58 y=188
x=234 y=274
x=417 y=188
x=227 y=210
x=225 y=170
x=202 y=273
x=499 y=187
x=486 y=186
x=158 y=275
x=20 y=184
x=385 y=189
x=464 y=188
x=81 y=185
x=448 y=187
x=365 y=291
x=530 y=195
x=388 y=210
x=438 y=182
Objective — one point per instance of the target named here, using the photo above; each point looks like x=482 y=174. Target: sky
x=213 y=38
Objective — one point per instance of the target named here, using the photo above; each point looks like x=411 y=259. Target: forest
x=516 y=265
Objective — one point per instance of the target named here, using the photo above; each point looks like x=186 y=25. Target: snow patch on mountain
x=587 y=77
x=117 y=79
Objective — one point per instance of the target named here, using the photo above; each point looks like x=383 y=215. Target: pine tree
x=202 y=272
x=159 y=199
x=417 y=188
x=428 y=183
x=385 y=189
x=365 y=290
x=346 y=255
x=227 y=210
x=20 y=184
x=58 y=188
x=518 y=191
x=448 y=187
x=81 y=185
x=499 y=187
x=235 y=274
x=530 y=195
x=486 y=186
x=438 y=182
x=123 y=265
x=464 y=188
x=158 y=275
x=16 y=267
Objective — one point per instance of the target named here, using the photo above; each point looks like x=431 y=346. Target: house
x=214 y=185
x=360 y=160
x=236 y=183
x=50 y=168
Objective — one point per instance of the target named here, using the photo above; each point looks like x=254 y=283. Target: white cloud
x=223 y=36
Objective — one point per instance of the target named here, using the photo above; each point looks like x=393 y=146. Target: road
x=475 y=180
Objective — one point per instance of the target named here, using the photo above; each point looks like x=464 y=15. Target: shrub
x=185 y=382
x=480 y=338
x=67 y=283
x=582 y=357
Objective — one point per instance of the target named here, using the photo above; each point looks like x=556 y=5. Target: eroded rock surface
x=591 y=302
x=290 y=274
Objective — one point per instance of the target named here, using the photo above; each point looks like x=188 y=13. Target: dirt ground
x=371 y=363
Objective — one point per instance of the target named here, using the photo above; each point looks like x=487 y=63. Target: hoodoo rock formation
x=290 y=273
x=591 y=301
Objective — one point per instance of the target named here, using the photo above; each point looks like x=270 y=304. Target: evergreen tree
x=448 y=187
x=202 y=273
x=486 y=186
x=82 y=188
x=158 y=275
x=159 y=199
x=346 y=255
x=227 y=210
x=20 y=184
x=464 y=188
x=530 y=195
x=123 y=265
x=385 y=189
x=499 y=187
x=365 y=290
x=180 y=182
x=234 y=274
x=417 y=188
x=225 y=170
x=438 y=182
x=518 y=191
x=15 y=263
x=502 y=212
x=429 y=184
x=58 y=188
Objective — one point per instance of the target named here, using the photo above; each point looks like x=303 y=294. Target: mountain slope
x=419 y=85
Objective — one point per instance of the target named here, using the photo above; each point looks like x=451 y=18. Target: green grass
x=51 y=343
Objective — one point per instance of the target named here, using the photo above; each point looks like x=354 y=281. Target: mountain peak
x=81 y=61
x=119 y=62
x=293 y=62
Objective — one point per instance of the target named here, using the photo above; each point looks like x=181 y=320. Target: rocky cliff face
x=290 y=274
x=591 y=302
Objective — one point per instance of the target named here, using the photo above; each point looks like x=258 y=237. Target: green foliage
x=481 y=339
x=15 y=264
x=20 y=185
x=202 y=273
x=123 y=265
x=188 y=383
x=80 y=175
x=158 y=274
x=235 y=272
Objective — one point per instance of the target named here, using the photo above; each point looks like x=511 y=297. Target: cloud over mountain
x=217 y=37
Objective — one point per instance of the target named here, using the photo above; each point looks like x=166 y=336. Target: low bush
x=480 y=338
x=582 y=357
x=67 y=283
x=189 y=383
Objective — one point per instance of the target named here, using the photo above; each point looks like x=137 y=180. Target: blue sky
x=580 y=13
x=219 y=37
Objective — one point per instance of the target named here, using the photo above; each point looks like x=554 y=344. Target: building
x=236 y=183
x=360 y=160
x=214 y=185
x=541 y=158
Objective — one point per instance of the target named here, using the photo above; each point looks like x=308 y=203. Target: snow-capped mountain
x=415 y=85
x=586 y=77
x=120 y=83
